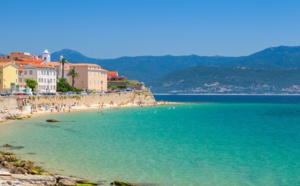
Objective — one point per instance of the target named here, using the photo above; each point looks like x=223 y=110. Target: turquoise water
x=190 y=144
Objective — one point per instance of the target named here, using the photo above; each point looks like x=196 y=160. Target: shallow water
x=190 y=144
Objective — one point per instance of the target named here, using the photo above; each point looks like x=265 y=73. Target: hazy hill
x=72 y=56
x=216 y=78
x=148 y=68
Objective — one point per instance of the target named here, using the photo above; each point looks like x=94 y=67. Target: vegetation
x=73 y=74
x=31 y=83
x=64 y=86
x=132 y=82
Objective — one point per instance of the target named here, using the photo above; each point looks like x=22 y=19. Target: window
x=30 y=72
x=45 y=58
x=16 y=71
x=16 y=80
x=20 y=79
x=25 y=72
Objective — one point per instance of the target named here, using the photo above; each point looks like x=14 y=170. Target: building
x=46 y=56
x=8 y=76
x=21 y=56
x=91 y=77
x=45 y=76
x=58 y=68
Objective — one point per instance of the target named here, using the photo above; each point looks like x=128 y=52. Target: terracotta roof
x=20 y=68
x=4 y=63
x=112 y=73
x=30 y=60
x=84 y=64
x=43 y=66
x=54 y=63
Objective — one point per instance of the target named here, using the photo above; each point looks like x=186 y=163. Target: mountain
x=229 y=79
x=72 y=56
x=148 y=68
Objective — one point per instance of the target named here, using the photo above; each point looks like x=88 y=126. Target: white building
x=46 y=56
x=45 y=76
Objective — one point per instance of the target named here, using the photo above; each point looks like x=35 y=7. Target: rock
x=35 y=179
x=52 y=120
x=22 y=170
x=67 y=182
x=78 y=180
x=7 y=165
x=121 y=183
x=10 y=158
x=7 y=145
x=4 y=173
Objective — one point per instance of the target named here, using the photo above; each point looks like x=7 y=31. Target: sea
x=205 y=140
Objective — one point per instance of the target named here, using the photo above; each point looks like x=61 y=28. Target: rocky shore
x=16 y=172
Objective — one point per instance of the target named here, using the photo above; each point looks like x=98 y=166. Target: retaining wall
x=144 y=96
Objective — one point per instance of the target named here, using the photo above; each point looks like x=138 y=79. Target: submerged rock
x=121 y=183
x=52 y=120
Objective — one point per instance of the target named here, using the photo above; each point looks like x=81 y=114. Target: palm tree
x=63 y=61
x=73 y=74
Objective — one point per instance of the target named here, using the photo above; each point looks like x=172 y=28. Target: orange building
x=21 y=56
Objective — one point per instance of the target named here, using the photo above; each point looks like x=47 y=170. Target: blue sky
x=115 y=28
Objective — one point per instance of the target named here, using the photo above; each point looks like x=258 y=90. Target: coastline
x=18 y=180
x=28 y=115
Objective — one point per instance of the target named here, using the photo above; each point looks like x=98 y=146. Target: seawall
x=144 y=96
x=11 y=105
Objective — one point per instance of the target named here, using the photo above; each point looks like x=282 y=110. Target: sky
x=115 y=28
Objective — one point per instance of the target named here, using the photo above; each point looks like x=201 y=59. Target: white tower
x=46 y=56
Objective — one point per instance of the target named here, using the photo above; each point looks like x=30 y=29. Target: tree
x=63 y=61
x=31 y=83
x=73 y=74
x=64 y=86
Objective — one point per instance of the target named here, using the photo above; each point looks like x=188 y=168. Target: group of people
x=52 y=108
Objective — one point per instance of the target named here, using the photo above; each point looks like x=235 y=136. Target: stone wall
x=144 y=96
x=8 y=103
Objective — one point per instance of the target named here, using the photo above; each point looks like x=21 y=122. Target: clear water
x=190 y=144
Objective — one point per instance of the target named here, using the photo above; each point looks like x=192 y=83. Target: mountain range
x=157 y=71
x=149 y=68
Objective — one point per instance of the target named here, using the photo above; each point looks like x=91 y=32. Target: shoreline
x=15 y=178
x=28 y=115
